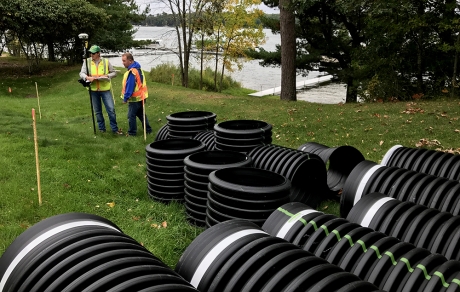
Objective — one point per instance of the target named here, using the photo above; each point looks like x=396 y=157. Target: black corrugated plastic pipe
x=162 y=133
x=188 y=124
x=403 y=184
x=165 y=167
x=382 y=260
x=438 y=163
x=197 y=168
x=242 y=135
x=341 y=161
x=237 y=255
x=306 y=171
x=82 y=252
x=244 y=193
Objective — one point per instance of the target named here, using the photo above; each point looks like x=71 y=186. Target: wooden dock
x=300 y=84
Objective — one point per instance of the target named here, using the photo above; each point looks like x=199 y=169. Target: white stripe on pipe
x=291 y=221
x=372 y=210
x=215 y=251
x=42 y=238
x=387 y=156
x=363 y=182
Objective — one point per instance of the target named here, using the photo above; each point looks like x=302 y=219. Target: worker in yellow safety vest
x=99 y=71
x=134 y=92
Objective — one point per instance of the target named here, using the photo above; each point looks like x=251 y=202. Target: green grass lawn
x=104 y=174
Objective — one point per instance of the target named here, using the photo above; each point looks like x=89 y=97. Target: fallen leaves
x=111 y=204
x=425 y=142
x=164 y=224
x=381 y=142
x=417 y=96
x=413 y=111
x=450 y=150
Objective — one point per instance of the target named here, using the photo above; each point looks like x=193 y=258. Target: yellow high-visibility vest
x=96 y=71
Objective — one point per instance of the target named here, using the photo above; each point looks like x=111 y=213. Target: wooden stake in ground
x=111 y=91
x=38 y=100
x=36 y=159
x=145 y=126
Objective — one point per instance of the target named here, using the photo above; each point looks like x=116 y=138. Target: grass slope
x=104 y=174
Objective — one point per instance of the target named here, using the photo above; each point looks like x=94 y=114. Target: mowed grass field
x=105 y=174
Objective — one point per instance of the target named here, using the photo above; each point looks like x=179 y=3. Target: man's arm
x=130 y=85
x=83 y=72
x=112 y=72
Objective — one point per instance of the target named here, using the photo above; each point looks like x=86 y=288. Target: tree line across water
x=168 y=19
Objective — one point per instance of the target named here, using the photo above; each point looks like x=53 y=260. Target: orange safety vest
x=95 y=71
x=140 y=91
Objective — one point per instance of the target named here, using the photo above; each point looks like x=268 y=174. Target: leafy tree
x=204 y=27
x=116 y=32
x=185 y=13
x=162 y=19
x=409 y=50
x=34 y=24
x=236 y=31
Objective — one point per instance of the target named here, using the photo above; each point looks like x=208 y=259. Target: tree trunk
x=288 y=51
x=201 y=62
x=186 y=48
x=181 y=60
x=352 y=94
x=420 y=44
x=454 y=73
x=217 y=60
x=51 y=56
x=222 y=75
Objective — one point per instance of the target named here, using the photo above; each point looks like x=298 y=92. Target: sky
x=157 y=8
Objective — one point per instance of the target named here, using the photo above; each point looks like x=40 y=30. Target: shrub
x=163 y=74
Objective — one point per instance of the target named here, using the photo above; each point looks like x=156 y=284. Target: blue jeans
x=135 y=110
x=106 y=97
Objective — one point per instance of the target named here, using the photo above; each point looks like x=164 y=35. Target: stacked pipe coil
x=208 y=139
x=307 y=172
x=244 y=193
x=341 y=161
x=436 y=231
x=83 y=252
x=385 y=261
x=432 y=162
x=237 y=255
x=242 y=135
x=197 y=168
x=162 y=133
x=403 y=184
x=188 y=124
x=165 y=167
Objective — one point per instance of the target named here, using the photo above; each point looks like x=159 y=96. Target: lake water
x=252 y=75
